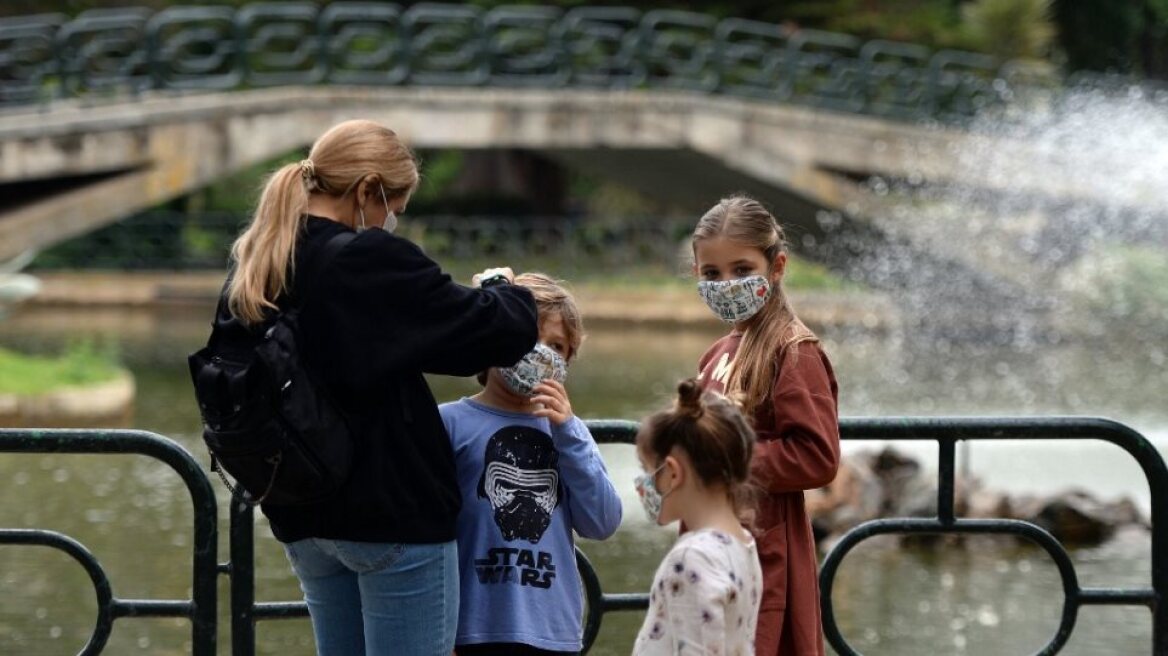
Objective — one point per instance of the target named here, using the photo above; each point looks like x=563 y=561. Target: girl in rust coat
x=774 y=366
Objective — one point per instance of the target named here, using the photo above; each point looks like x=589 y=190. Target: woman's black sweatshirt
x=382 y=315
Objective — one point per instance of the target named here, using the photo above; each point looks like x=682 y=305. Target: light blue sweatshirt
x=526 y=485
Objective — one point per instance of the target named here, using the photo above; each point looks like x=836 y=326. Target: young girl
x=706 y=593
x=530 y=474
x=776 y=366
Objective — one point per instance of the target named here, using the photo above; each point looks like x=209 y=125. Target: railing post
x=945 y=483
x=242 y=573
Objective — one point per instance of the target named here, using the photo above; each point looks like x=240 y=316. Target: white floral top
x=704 y=599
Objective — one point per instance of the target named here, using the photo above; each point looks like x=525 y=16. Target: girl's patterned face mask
x=735 y=301
x=651 y=498
x=537 y=366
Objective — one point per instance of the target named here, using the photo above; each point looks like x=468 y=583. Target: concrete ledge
x=139 y=289
x=108 y=404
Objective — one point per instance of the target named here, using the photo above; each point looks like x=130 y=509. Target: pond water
x=987 y=598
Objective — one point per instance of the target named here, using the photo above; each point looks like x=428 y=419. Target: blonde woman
x=377 y=562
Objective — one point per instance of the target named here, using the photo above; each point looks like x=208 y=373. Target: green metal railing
x=947 y=432
x=117 y=51
x=200 y=609
x=246 y=611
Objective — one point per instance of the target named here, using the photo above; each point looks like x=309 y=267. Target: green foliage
x=933 y=23
x=1158 y=10
x=81 y=363
x=1097 y=34
x=154 y=240
x=440 y=169
x=1010 y=28
x=240 y=191
x=599 y=197
x=1129 y=36
x=1125 y=287
x=801 y=275
x=807 y=275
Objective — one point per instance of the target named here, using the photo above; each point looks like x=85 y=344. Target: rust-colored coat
x=797 y=450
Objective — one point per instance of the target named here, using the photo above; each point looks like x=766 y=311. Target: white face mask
x=390 y=217
x=735 y=301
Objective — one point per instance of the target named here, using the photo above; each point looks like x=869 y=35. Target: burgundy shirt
x=797 y=449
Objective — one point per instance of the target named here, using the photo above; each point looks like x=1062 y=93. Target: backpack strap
x=317 y=263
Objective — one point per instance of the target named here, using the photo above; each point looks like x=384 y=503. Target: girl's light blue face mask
x=737 y=300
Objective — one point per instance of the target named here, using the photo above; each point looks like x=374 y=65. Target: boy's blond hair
x=551 y=297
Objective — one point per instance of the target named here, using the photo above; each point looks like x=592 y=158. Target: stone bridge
x=115 y=111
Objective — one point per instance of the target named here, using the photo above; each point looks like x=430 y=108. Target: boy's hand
x=554 y=399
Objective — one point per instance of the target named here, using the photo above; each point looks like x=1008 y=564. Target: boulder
x=889 y=483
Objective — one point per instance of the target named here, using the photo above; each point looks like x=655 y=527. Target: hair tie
x=307 y=169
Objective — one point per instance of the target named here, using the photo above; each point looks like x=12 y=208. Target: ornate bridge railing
x=246 y=611
x=117 y=51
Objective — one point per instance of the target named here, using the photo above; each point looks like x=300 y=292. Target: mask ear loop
x=653 y=478
x=390 y=217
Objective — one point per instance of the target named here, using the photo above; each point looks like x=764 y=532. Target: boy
x=530 y=473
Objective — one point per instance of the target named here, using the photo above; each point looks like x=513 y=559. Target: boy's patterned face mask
x=735 y=301
x=537 y=366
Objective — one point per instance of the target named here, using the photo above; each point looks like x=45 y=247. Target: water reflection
x=983 y=598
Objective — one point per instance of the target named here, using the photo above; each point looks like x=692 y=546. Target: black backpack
x=265 y=421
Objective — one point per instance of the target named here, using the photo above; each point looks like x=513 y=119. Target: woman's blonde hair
x=775 y=327
x=263 y=257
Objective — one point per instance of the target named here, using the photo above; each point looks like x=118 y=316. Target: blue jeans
x=376 y=598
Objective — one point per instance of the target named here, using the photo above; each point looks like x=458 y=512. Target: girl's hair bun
x=689 y=398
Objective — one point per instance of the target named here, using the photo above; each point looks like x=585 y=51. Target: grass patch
x=82 y=363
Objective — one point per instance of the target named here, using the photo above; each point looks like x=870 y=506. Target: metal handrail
x=245 y=611
x=201 y=608
x=947 y=432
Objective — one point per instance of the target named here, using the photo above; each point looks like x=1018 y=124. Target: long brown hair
x=775 y=328
x=715 y=435
x=264 y=255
